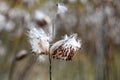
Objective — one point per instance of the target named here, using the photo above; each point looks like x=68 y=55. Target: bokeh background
x=97 y=23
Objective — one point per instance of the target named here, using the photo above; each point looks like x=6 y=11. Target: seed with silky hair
x=66 y=49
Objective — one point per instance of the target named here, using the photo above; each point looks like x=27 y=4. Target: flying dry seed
x=61 y=8
x=41 y=19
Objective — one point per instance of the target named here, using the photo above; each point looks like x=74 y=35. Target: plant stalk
x=50 y=67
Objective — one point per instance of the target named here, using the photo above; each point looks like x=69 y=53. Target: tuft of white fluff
x=61 y=8
x=39 y=40
x=71 y=40
x=42 y=58
x=39 y=15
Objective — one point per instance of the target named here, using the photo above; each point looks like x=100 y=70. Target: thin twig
x=50 y=67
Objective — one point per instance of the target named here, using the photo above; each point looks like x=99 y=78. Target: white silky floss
x=61 y=8
x=38 y=40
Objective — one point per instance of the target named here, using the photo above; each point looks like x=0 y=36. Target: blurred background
x=97 y=23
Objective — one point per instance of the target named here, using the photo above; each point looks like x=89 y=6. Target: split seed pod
x=66 y=49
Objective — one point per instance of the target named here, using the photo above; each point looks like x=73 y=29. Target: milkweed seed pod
x=66 y=49
x=39 y=41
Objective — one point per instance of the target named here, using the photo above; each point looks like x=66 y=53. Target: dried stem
x=50 y=67
x=53 y=26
